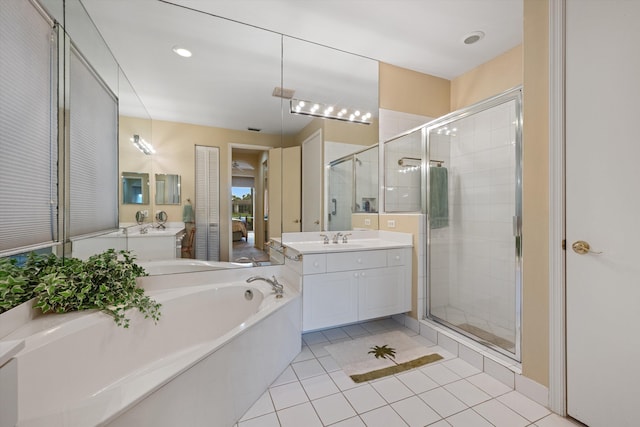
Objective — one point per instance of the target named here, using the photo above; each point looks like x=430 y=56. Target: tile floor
x=314 y=391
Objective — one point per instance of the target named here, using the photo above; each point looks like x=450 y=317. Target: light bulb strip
x=142 y=145
x=326 y=111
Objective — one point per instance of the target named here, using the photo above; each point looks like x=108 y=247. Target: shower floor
x=481 y=328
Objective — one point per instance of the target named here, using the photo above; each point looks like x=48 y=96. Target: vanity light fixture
x=142 y=145
x=326 y=111
x=185 y=53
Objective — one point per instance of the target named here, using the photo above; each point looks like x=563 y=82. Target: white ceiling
x=229 y=80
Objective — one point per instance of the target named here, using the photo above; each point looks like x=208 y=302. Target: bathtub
x=209 y=358
x=187 y=265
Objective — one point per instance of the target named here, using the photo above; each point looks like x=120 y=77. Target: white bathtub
x=186 y=265
x=212 y=354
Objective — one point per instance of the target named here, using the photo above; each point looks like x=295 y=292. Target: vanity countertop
x=312 y=242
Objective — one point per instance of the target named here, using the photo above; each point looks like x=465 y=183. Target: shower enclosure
x=352 y=187
x=472 y=180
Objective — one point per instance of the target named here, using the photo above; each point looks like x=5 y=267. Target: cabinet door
x=329 y=300
x=382 y=292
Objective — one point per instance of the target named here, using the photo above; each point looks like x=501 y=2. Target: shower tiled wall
x=472 y=268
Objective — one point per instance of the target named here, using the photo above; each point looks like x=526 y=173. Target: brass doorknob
x=581 y=247
x=316 y=222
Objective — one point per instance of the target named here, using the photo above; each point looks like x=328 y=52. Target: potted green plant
x=106 y=282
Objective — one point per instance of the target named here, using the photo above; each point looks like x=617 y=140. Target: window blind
x=207 y=207
x=93 y=152
x=28 y=129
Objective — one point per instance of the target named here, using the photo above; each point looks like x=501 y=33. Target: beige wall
x=413 y=92
x=489 y=79
x=535 y=223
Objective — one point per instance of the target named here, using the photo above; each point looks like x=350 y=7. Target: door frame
x=557 y=235
x=231 y=146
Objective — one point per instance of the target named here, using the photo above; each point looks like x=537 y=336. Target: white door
x=312 y=182
x=291 y=161
x=603 y=209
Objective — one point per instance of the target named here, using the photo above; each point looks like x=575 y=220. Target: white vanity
x=365 y=278
x=145 y=242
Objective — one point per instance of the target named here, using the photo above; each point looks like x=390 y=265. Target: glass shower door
x=474 y=205
x=340 y=197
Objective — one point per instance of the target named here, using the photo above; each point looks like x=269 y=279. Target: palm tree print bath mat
x=377 y=356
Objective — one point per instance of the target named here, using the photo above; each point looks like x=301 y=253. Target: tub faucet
x=336 y=237
x=278 y=288
x=325 y=239
x=344 y=238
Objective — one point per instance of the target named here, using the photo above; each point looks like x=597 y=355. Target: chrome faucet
x=144 y=229
x=344 y=238
x=336 y=237
x=325 y=239
x=278 y=288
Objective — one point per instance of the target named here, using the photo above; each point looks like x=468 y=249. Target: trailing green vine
x=106 y=282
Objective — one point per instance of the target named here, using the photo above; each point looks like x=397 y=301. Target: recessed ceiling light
x=186 y=53
x=474 y=37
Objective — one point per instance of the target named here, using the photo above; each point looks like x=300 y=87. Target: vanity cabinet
x=346 y=287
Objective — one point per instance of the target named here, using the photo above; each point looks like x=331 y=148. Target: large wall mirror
x=241 y=74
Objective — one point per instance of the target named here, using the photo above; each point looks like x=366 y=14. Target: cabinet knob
x=316 y=264
x=397 y=257
x=361 y=274
x=355 y=274
x=359 y=260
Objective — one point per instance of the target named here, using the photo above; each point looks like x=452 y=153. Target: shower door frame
x=514 y=94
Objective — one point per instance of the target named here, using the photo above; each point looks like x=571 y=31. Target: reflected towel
x=187 y=213
x=438 y=197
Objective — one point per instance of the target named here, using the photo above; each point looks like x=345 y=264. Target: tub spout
x=278 y=288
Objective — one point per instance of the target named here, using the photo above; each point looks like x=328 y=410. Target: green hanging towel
x=438 y=197
x=187 y=213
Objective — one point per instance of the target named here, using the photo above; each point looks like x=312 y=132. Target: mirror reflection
x=135 y=188
x=167 y=189
x=253 y=108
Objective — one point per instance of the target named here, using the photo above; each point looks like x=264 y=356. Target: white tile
x=314 y=338
x=351 y=422
x=446 y=355
x=305 y=354
x=318 y=350
x=334 y=408
x=319 y=386
x=392 y=389
x=374 y=327
x=329 y=363
x=299 y=415
x=262 y=406
x=428 y=332
x=412 y=324
x=423 y=341
x=383 y=417
x=355 y=331
x=364 y=398
x=269 y=420
x=287 y=395
x=533 y=390
x=468 y=418
x=442 y=423
x=524 y=406
x=287 y=376
x=555 y=420
x=415 y=412
x=307 y=369
x=335 y=334
x=471 y=356
x=440 y=374
x=461 y=367
x=499 y=415
x=467 y=392
x=443 y=402
x=489 y=385
x=417 y=381
x=342 y=380
x=499 y=372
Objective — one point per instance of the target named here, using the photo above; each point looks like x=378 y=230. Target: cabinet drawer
x=356 y=260
x=314 y=264
x=398 y=257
